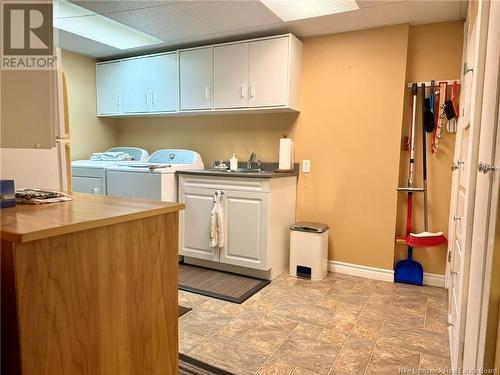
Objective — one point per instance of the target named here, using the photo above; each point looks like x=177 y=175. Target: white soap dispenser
x=233 y=162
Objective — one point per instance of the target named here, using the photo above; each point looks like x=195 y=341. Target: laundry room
x=253 y=187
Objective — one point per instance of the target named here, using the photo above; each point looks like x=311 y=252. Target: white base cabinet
x=257 y=216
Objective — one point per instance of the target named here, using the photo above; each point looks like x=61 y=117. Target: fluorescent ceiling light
x=290 y=10
x=80 y=21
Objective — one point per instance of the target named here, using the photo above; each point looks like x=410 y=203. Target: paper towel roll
x=286 y=154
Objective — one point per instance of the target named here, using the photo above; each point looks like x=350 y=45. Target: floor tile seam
x=426 y=311
x=276 y=349
x=374 y=345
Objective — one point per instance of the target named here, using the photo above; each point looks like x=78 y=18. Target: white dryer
x=89 y=176
x=155 y=179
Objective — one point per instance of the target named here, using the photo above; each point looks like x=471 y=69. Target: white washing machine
x=89 y=176
x=155 y=179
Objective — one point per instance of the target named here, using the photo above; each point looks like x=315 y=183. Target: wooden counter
x=90 y=287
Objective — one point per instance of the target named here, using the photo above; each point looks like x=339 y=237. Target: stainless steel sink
x=239 y=170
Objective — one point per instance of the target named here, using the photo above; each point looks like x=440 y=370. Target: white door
x=231 y=76
x=486 y=200
x=195 y=70
x=268 y=72
x=163 y=83
x=194 y=223
x=135 y=85
x=464 y=179
x=245 y=229
x=109 y=88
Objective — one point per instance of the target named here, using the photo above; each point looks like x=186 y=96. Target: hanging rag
x=216 y=222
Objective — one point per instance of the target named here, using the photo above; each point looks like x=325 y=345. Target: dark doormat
x=218 y=284
x=191 y=366
x=183 y=310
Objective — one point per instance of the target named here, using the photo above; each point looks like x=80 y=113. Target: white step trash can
x=309 y=250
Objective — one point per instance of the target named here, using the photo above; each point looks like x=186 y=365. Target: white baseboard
x=381 y=274
x=361 y=271
x=434 y=279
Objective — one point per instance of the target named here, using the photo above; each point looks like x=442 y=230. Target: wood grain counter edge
x=147 y=209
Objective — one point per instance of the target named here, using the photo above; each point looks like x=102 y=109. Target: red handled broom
x=426 y=238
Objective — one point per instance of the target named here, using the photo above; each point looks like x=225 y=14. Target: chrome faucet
x=251 y=160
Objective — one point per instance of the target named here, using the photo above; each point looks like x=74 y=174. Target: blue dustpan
x=409 y=271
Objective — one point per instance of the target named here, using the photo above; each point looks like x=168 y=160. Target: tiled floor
x=341 y=325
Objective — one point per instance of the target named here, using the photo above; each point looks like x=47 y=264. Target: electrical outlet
x=306 y=166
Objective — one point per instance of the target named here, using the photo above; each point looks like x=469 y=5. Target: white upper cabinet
x=231 y=76
x=135 y=86
x=258 y=74
x=150 y=84
x=109 y=88
x=268 y=72
x=195 y=69
x=163 y=83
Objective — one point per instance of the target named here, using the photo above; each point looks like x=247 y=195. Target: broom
x=426 y=238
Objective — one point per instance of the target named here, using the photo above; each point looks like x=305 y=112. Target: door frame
x=479 y=292
x=480 y=38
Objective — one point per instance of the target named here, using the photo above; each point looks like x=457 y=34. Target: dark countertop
x=267 y=172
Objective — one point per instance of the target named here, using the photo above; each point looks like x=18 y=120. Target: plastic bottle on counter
x=233 y=162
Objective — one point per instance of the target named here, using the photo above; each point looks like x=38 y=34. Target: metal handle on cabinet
x=207 y=93
x=146 y=98
x=450 y=324
x=456 y=218
x=252 y=90
x=455 y=166
x=454 y=273
x=242 y=90
x=117 y=101
x=152 y=98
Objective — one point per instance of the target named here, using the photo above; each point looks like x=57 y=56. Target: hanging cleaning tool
x=407 y=270
x=426 y=238
x=438 y=133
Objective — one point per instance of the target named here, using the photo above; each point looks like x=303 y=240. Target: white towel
x=216 y=223
x=118 y=156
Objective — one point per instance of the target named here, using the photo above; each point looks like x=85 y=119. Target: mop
x=426 y=238
x=407 y=270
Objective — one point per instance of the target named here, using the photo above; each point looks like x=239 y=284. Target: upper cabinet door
x=268 y=72
x=163 y=83
x=135 y=85
x=109 y=88
x=231 y=76
x=195 y=67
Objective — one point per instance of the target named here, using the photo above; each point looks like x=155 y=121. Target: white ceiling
x=183 y=23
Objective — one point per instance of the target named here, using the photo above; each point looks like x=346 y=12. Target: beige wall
x=88 y=132
x=353 y=91
x=214 y=137
x=434 y=52
x=349 y=127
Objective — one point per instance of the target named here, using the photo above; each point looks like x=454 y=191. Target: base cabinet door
x=194 y=224
x=246 y=220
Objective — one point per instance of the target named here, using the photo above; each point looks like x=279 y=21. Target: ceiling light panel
x=291 y=10
x=80 y=21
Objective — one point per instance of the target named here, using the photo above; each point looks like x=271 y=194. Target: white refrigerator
x=34 y=131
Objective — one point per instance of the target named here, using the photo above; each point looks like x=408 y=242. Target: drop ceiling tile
x=166 y=23
x=376 y=3
x=226 y=16
x=433 y=11
x=389 y=14
x=107 y=6
x=354 y=20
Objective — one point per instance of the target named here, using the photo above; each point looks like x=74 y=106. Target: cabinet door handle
x=117 y=101
x=207 y=93
x=252 y=90
x=152 y=96
x=146 y=98
x=242 y=90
